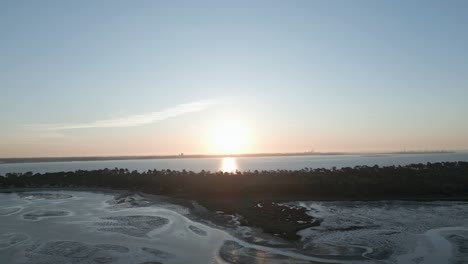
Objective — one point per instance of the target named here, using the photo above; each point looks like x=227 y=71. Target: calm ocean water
x=242 y=164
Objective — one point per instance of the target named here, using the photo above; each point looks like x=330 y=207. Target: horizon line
x=253 y=154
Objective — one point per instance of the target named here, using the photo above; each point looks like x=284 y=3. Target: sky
x=92 y=78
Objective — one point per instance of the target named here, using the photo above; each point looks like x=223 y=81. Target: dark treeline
x=416 y=180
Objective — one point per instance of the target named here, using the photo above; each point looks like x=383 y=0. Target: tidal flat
x=114 y=227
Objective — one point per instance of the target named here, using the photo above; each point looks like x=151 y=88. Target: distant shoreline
x=196 y=156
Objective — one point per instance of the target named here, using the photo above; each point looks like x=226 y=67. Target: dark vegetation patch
x=271 y=217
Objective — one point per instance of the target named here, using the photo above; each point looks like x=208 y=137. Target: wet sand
x=120 y=227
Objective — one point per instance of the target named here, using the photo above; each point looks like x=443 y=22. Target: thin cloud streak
x=131 y=120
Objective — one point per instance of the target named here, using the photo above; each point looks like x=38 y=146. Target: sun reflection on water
x=228 y=164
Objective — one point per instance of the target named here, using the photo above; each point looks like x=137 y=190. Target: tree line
x=442 y=179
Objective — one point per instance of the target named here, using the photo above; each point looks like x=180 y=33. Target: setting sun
x=229 y=138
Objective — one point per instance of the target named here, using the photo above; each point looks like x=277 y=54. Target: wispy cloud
x=131 y=120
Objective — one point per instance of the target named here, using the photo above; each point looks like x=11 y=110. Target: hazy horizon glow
x=117 y=78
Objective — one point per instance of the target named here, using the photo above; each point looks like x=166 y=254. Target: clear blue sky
x=154 y=77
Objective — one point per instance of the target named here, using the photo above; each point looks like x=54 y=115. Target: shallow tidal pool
x=56 y=227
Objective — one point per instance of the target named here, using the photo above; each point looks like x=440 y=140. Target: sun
x=229 y=138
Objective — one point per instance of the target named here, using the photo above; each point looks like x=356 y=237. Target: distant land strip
x=200 y=156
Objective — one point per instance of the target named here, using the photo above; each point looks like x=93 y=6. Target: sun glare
x=228 y=164
x=229 y=138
